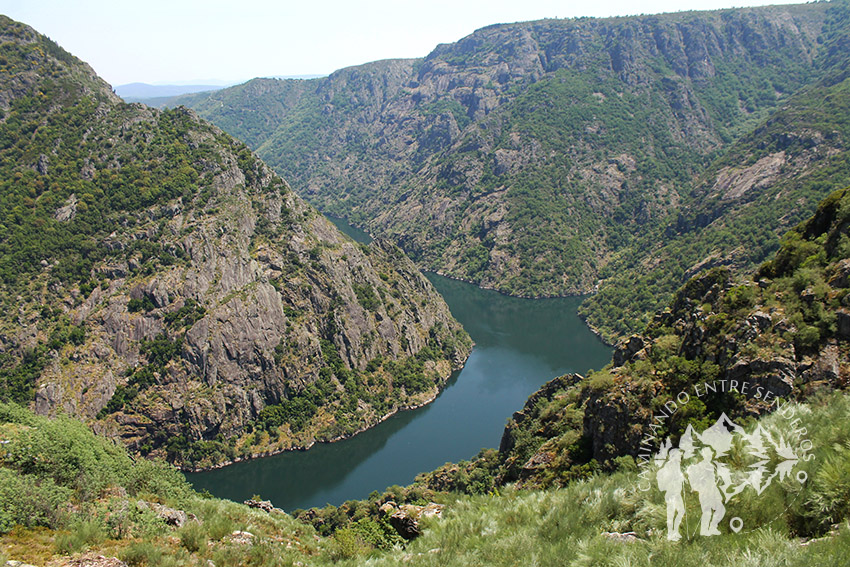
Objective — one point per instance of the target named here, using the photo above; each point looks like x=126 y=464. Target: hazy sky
x=166 y=41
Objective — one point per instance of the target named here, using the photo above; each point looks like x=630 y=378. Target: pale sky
x=168 y=41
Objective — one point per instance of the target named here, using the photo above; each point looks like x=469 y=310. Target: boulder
x=170 y=516
x=627 y=349
x=241 y=538
x=264 y=505
x=406 y=520
x=627 y=537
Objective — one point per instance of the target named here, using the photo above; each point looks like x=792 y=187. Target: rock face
x=519 y=156
x=205 y=291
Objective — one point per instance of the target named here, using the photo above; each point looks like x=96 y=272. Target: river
x=519 y=345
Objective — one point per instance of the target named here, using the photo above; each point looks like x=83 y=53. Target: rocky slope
x=73 y=499
x=765 y=183
x=160 y=281
x=781 y=333
x=523 y=156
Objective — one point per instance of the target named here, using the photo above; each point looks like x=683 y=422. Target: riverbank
x=519 y=345
x=428 y=398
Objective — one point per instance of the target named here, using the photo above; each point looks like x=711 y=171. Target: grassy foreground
x=68 y=494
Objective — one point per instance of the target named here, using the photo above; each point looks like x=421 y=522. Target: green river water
x=519 y=345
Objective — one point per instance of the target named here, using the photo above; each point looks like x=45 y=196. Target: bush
x=51 y=462
x=218 y=526
x=30 y=501
x=143 y=553
x=66 y=452
x=346 y=544
x=83 y=533
x=192 y=537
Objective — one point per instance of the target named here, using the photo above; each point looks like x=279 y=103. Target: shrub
x=143 y=553
x=346 y=544
x=83 y=533
x=192 y=537
x=30 y=501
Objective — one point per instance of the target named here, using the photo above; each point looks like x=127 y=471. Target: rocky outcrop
x=264 y=505
x=545 y=394
x=627 y=349
x=171 y=516
x=406 y=519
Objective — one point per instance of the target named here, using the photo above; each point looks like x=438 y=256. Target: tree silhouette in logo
x=698 y=462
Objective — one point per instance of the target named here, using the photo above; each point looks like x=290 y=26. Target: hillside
x=782 y=331
x=159 y=281
x=574 y=480
x=72 y=499
x=762 y=185
x=528 y=157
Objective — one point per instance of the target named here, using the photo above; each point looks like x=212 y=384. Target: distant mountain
x=159 y=281
x=534 y=158
x=136 y=92
x=169 y=96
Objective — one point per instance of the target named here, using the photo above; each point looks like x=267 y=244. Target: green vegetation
x=114 y=512
x=715 y=229
x=592 y=165
x=385 y=385
x=136 y=252
x=366 y=296
x=491 y=517
x=61 y=199
x=91 y=495
x=565 y=526
x=50 y=463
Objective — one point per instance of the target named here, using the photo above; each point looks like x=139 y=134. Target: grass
x=566 y=526
x=792 y=525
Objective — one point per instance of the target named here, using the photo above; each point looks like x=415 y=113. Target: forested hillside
x=160 y=281
x=540 y=158
x=765 y=183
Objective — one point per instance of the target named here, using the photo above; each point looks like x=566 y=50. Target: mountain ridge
x=526 y=156
x=161 y=282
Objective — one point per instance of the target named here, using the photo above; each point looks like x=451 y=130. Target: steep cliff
x=160 y=281
x=524 y=156
x=766 y=182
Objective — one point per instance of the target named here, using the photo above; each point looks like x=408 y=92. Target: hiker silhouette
x=671 y=482
x=703 y=477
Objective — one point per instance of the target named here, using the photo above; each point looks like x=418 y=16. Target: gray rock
x=627 y=349
x=843 y=317
x=68 y=211
x=406 y=520
x=841 y=274
x=627 y=537
x=171 y=516
x=264 y=505
x=42 y=165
